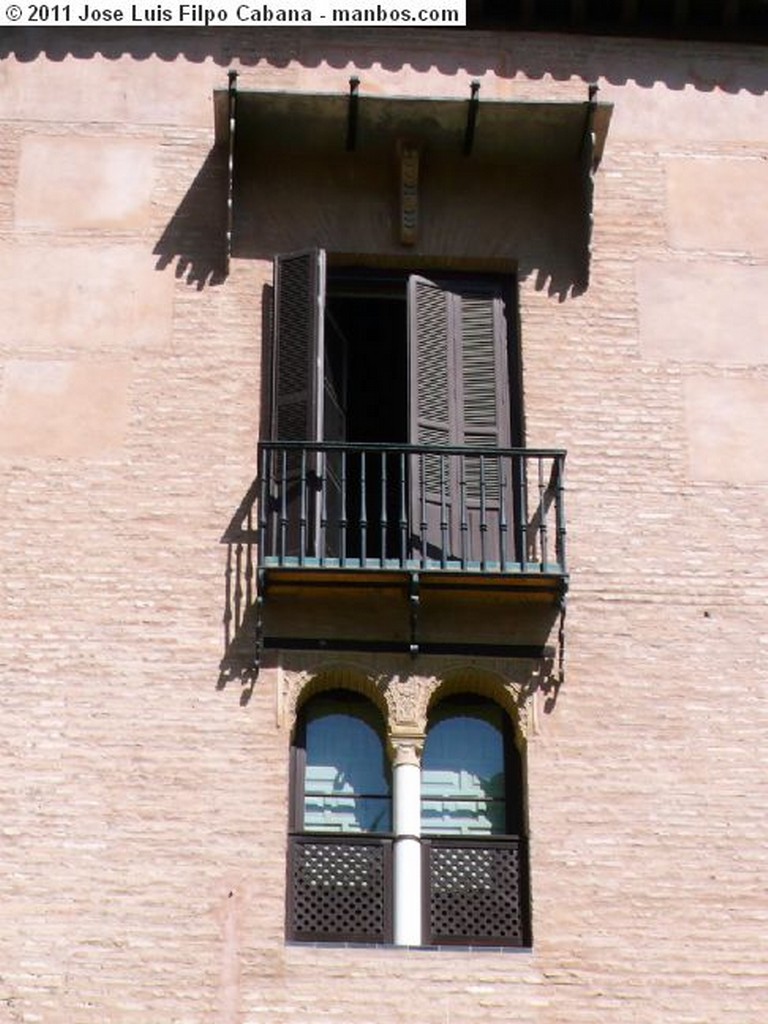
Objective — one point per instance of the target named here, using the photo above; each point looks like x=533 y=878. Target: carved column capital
x=405 y=747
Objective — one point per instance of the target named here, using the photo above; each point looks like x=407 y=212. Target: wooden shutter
x=298 y=358
x=432 y=412
x=298 y=352
x=459 y=395
x=431 y=363
x=483 y=375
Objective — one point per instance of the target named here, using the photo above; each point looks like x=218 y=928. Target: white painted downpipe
x=407 y=828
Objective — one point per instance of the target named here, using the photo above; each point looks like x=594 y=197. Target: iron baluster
x=503 y=523
x=560 y=512
x=264 y=491
x=403 y=513
x=483 y=517
x=464 y=525
x=423 y=502
x=383 y=524
x=543 y=540
x=363 y=511
x=522 y=526
x=283 y=488
x=343 y=512
x=322 y=463
x=303 y=508
x=443 y=515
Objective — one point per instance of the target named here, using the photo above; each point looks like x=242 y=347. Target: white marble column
x=406 y=772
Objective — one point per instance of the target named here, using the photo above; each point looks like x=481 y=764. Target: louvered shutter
x=483 y=396
x=459 y=394
x=483 y=374
x=432 y=415
x=298 y=354
x=297 y=400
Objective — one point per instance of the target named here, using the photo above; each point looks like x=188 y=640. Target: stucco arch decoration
x=510 y=694
x=299 y=685
x=404 y=692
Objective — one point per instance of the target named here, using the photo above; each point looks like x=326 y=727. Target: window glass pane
x=463 y=779
x=346 y=781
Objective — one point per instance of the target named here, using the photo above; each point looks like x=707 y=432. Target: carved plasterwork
x=407 y=704
x=404 y=691
x=409 y=193
x=405 y=748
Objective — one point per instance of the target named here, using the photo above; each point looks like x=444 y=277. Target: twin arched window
x=472 y=846
x=471 y=773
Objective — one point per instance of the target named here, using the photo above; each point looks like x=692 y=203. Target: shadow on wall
x=706 y=67
x=242 y=659
x=241 y=628
x=535 y=219
x=259 y=615
x=194 y=241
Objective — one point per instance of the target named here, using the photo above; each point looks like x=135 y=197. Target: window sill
x=390 y=946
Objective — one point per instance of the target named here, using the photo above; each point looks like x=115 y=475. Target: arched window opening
x=474 y=849
x=340 y=849
x=471 y=778
x=341 y=766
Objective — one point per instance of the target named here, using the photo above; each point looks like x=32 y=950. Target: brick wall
x=143 y=806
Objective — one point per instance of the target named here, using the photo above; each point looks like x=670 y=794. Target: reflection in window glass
x=463 y=787
x=346 y=779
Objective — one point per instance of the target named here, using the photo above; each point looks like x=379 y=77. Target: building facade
x=384 y=548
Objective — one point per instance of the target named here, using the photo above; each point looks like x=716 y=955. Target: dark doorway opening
x=366 y=347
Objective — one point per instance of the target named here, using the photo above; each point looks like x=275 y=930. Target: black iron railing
x=411 y=507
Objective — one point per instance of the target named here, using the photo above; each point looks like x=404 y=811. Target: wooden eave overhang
x=473 y=131
x=488 y=130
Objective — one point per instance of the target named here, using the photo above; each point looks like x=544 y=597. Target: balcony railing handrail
x=411 y=507
x=412 y=449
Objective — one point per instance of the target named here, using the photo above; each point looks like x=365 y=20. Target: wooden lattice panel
x=339 y=890
x=476 y=893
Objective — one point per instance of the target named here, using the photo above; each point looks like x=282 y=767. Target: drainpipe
x=406 y=779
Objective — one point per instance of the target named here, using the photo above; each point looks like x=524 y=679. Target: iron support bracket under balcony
x=414 y=598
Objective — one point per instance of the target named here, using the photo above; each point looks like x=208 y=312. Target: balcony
x=411 y=508
x=469 y=542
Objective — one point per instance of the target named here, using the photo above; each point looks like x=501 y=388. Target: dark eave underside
x=744 y=21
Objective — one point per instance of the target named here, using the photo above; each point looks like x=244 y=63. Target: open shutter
x=459 y=395
x=298 y=354
x=483 y=395
x=484 y=377
x=297 y=402
x=432 y=416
